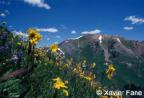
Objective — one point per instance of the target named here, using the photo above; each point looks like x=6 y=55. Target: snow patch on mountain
x=118 y=40
x=75 y=38
x=100 y=39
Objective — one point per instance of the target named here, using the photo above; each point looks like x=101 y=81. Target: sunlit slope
x=126 y=55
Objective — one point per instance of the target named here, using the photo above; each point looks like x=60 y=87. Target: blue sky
x=58 y=20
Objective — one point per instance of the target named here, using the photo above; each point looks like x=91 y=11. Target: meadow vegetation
x=27 y=71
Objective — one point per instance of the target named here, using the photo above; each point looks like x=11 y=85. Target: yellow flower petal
x=54 y=48
x=65 y=92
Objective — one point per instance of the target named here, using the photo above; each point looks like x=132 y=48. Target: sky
x=58 y=20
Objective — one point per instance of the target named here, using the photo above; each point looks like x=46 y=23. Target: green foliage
x=27 y=72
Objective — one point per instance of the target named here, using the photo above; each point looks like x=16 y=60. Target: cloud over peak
x=134 y=20
x=96 y=31
x=38 y=3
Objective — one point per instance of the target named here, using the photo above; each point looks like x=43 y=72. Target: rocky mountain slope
x=126 y=55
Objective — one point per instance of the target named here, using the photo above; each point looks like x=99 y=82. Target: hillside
x=127 y=55
x=76 y=68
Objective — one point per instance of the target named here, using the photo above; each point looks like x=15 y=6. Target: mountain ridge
x=127 y=55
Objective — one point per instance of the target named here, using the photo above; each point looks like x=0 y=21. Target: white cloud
x=2 y=14
x=128 y=28
x=96 y=31
x=20 y=33
x=73 y=32
x=38 y=3
x=134 y=20
x=53 y=30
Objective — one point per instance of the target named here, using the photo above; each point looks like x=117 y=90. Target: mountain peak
x=112 y=46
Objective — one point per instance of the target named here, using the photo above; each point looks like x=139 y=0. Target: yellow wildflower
x=66 y=65
x=77 y=69
x=103 y=96
x=88 y=78
x=94 y=65
x=110 y=71
x=33 y=41
x=38 y=37
x=34 y=36
x=59 y=83
x=32 y=33
x=119 y=97
x=111 y=96
x=54 y=48
x=56 y=79
x=65 y=92
x=82 y=74
x=36 y=55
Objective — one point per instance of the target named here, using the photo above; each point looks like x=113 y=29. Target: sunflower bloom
x=32 y=33
x=54 y=48
x=33 y=36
